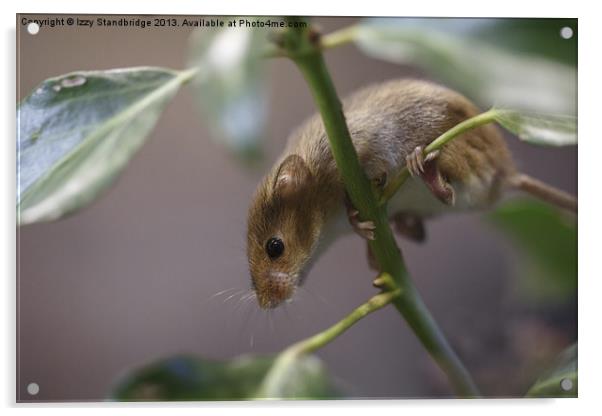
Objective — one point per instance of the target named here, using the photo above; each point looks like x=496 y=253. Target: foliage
x=78 y=131
x=546 y=243
x=230 y=87
x=537 y=128
x=190 y=378
x=490 y=60
x=561 y=379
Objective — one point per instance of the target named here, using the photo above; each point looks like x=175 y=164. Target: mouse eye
x=274 y=247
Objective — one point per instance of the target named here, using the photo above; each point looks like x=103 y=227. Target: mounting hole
x=33 y=389
x=566 y=384
x=33 y=28
x=566 y=32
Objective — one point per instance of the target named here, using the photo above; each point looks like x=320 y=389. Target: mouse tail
x=544 y=191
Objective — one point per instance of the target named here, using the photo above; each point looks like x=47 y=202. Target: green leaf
x=190 y=378
x=546 y=243
x=544 y=129
x=231 y=89
x=561 y=380
x=493 y=73
x=533 y=36
x=76 y=132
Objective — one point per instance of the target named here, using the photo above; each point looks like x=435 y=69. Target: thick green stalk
x=306 y=54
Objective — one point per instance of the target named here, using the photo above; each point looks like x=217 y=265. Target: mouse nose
x=274 y=290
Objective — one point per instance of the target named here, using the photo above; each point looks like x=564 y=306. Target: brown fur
x=386 y=121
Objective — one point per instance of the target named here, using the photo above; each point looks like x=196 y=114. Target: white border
x=589 y=152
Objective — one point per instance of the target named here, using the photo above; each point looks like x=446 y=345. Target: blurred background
x=137 y=276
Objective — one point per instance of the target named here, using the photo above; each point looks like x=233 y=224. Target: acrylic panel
x=172 y=246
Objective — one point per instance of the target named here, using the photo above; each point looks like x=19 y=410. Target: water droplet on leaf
x=73 y=81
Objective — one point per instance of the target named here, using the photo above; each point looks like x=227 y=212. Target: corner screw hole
x=566 y=32
x=33 y=389
x=566 y=384
x=33 y=28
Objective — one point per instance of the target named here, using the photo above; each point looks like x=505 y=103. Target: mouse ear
x=293 y=176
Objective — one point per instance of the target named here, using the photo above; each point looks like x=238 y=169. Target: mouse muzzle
x=274 y=288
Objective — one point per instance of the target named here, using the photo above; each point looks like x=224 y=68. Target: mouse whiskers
x=271 y=320
x=246 y=318
x=285 y=306
x=249 y=296
x=222 y=292
x=306 y=292
x=245 y=299
x=233 y=295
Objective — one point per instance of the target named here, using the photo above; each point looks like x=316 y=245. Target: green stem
x=188 y=74
x=384 y=247
x=278 y=374
x=332 y=40
x=338 y=37
x=375 y=303
x=438 y=143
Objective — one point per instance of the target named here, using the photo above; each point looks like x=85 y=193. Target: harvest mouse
x=300 y=206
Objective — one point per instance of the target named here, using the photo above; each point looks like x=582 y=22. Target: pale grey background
x=130 y=279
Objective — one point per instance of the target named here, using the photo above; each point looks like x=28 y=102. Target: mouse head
x=283 y=228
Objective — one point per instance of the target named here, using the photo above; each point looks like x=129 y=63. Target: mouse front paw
x=416 y=160
x=364 y=229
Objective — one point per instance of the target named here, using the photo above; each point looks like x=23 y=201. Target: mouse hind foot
x=364 y=229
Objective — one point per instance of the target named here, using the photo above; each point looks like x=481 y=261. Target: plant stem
x=187 y=75
x=338 y=37
x=279 y=372
x=384 y=247
x=375 y=303
x=332 y=40
x=457 y=130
